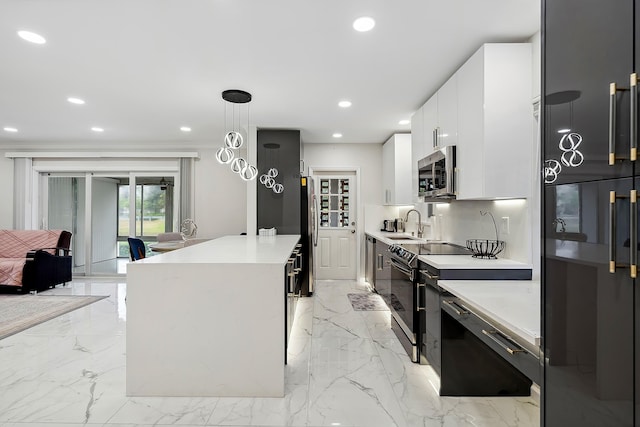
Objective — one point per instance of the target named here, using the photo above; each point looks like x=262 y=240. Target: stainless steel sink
x=402 y=238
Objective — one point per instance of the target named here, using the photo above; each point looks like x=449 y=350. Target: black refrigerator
x=591 y=310
x=291 y=211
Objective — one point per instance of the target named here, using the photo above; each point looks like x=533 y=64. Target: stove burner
x=408 y=253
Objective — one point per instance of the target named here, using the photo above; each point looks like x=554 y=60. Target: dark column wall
x=279 y=149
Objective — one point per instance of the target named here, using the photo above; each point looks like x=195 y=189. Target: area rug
x=373 y=302
x=20 y=312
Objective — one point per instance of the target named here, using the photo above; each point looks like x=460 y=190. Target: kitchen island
x=209 y=319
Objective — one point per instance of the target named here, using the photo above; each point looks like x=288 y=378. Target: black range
x=413 y=294
x=406 y=293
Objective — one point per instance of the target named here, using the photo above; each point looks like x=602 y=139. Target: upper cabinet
x=418 y=149
x=440 y=118
x=448 y=100
x=495 y=151
x=396 y=170
x=485 y=109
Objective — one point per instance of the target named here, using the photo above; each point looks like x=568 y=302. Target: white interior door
x=337 y=238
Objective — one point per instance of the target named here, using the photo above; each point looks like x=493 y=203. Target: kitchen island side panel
x=205 y=329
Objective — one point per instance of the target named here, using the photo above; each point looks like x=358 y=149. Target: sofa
x=34 y=260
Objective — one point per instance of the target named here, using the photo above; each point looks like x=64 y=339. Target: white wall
x=366 y=157
x=220 y=198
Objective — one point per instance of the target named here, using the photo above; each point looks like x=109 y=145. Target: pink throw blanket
x=14 y=245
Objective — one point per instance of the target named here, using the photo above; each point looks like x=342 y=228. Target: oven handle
x=407 y=271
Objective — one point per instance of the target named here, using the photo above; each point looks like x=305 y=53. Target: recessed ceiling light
x=344 y=104
x=10 y=129
x=337 y=135
x=363 y=24
x=185 y=129
x=77 y=101
x=31 y=37
x=404 y=122
x=97 y=129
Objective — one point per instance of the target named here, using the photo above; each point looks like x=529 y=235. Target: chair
x=137 y=249
x=167 y=237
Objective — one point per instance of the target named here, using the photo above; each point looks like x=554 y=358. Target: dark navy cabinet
x=590 y=294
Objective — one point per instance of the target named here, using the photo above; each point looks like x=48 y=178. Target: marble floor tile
x=345 y=368
x=166 y=410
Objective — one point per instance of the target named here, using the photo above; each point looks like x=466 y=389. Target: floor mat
x=374 y=302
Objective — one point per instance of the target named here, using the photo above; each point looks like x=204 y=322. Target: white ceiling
x=147 y=67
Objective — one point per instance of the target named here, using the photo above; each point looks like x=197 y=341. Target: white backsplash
x=374 y=215
x=461 y=220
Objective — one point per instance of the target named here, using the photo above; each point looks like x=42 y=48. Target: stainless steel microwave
x=436 y=174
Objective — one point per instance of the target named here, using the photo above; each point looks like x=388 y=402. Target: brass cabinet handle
x=612 y=231
x=453 y=306
x=493 y=335
x=613 y=115
x=429 y=275
x=633 y=131
x=612 y=124
x=633 y=231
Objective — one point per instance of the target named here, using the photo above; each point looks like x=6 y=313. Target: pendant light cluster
x=569 y=142
x=233 y=139
x=269 y=179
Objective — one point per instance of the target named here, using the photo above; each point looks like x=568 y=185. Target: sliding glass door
x=101 y=214
x=63 y=208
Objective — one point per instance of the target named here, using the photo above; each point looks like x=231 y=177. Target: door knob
x=353 y=231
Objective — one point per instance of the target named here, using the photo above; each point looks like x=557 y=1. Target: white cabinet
x=447 y=126
x=440 y=117
x=433 y=126
x=418 y=149
x=430 y=119
x=495 y=123
x=396 y=170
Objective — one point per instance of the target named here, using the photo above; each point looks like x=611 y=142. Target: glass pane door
x=334 y=202
x=154 y=206
x=65 y=210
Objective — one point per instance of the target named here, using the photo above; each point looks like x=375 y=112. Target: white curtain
x=186 y=189
x=22 y=193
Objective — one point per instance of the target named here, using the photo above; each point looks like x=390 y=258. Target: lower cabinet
x=292 y=291
x=370 y=260
x=382 y=271
x=480 y=360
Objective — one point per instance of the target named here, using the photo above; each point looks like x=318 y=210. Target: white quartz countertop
x=232 y=250
x=444 y=262
x=462 y=262
x=511 y=304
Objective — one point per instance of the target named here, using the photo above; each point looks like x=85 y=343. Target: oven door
x=403 y=304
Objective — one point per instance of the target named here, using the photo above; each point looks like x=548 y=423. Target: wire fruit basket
x=485 y=248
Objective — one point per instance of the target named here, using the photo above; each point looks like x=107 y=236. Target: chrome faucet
x=420 y=227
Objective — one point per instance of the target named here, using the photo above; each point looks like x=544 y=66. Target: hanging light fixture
x=570 y=140
x=268 y=179
x=233 y=139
